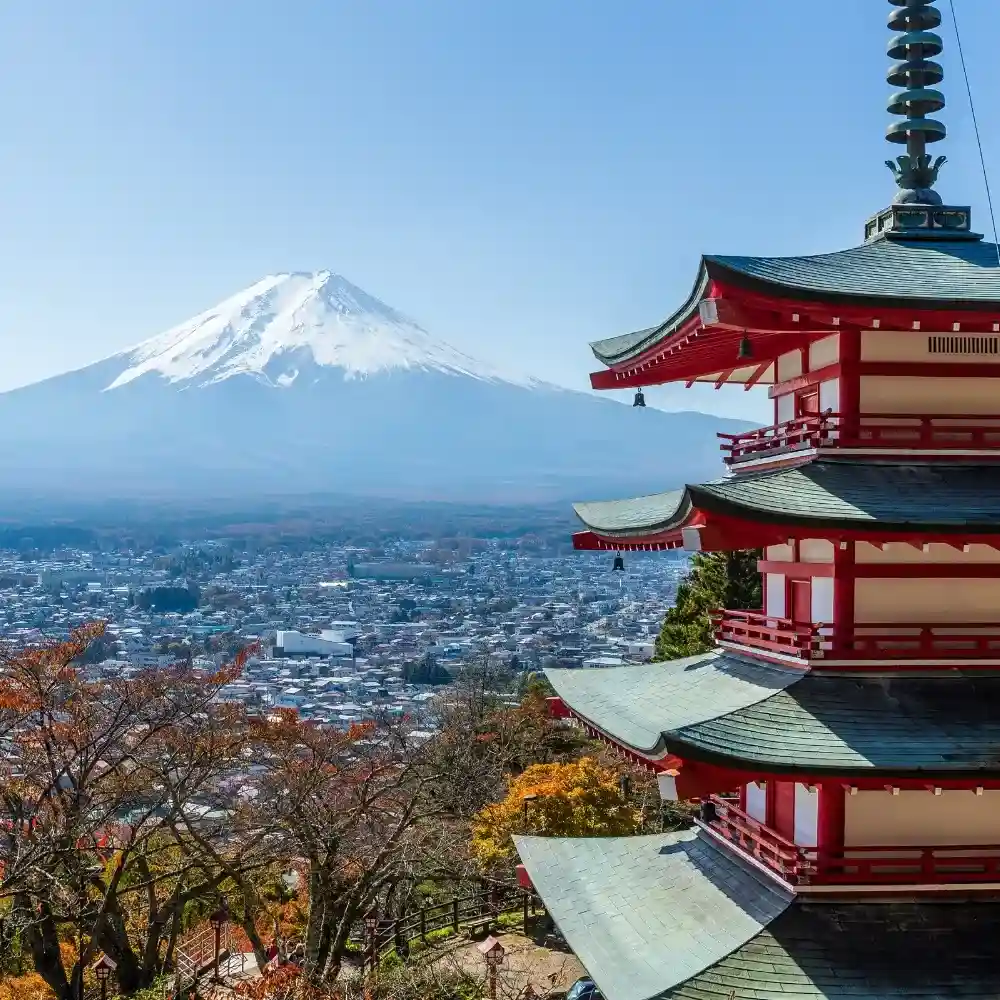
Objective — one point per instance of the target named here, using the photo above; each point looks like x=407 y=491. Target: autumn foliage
x=581 y=798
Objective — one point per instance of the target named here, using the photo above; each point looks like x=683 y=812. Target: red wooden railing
x=753 y=628
x=886 y=865
x=953 y=640
x=759 y=841
x=937 y=432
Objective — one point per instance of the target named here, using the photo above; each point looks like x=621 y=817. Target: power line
x=975 y=125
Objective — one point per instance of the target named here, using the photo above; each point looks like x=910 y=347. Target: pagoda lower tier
x=821 y=781
x=678 y=917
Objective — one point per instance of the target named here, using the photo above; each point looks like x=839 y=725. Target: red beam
x=805 y=381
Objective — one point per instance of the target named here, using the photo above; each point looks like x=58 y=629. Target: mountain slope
x=304 y=383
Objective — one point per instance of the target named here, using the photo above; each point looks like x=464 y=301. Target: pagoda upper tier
x=745 y=312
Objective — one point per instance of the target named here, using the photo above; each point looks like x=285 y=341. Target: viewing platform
x=859 y=642
x=854 y=865
x=869 y=434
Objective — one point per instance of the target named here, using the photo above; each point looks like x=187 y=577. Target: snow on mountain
x=280 y=329
x=304 y=383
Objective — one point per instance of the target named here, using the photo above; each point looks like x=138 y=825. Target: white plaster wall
x=829 y=395
x=824 y=352
x=757 y=801
x=913 y=599
x=822 y=599
x=899 y=394
x=806 y=815
x=779 y=553
x=774 y=595
x=921 y=819
x=816 y=550
x=892 y=345
x=789 y=365
x=936 y=554
x=786 y=408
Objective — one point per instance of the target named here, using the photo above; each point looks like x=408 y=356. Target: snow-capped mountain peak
x=285 y=326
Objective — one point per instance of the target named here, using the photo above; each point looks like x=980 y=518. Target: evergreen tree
x=716 y=580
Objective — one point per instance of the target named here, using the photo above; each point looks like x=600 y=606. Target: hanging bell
x=745 y=353
x=619 y=565
x=640 y=399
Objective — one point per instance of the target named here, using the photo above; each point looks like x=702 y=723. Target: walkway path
x=524 y=963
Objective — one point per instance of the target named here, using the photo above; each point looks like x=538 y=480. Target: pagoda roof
x=885 y=273
x=645 y=914
x=824 y=494
x=744 y=715
x=639 y=704
x=673 y=917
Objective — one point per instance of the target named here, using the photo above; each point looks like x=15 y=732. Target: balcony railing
x=864 y=641
x=870 y=430
x=885 y=865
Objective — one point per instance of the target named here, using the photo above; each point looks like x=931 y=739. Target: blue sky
x=521 y=176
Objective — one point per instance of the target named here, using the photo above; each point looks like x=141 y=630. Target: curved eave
x=636 y=706
x=935 y=282
x=741 y=716
x=589 y=541
x=614 y=350
x=653 y=518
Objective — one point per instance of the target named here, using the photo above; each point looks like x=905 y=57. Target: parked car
x=584 y=989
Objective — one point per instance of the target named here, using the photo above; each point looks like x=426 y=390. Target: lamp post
x=218 y=920
x=103 y=970
x=493 y=951
x=526 y=801
x=371 y=929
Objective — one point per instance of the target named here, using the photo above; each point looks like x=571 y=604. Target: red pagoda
x=843 y=740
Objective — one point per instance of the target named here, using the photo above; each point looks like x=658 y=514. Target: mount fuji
x=304 y=383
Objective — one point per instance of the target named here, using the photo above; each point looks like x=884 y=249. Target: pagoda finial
x=914 y=47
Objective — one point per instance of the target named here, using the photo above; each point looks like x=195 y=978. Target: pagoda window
x=780 y=553
x=806 y=815
x=921 y=818
x=829 y=396
x=784 y=408
x=789 y=365
x=755 y=801
x=816 y=550
x=825 y=352
x=775 y=585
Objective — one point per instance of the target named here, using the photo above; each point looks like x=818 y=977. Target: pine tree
x=716 y=580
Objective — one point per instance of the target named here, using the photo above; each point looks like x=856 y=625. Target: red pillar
x=830 y=823
x=844 y=577
x=850 y=381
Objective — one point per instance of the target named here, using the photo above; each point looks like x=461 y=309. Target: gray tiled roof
x=672 y=917
x=962 y=274
x=896 y=496
x=644 y=914
x=899 y=725
x=729 y=710
x=638 y=704
x=656 y=512
x=859 y=950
